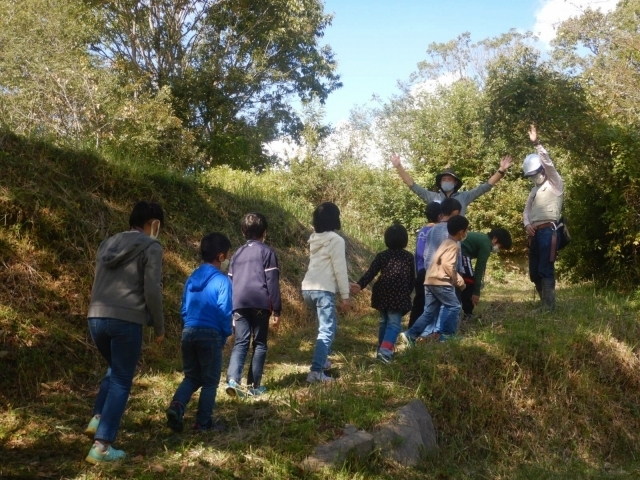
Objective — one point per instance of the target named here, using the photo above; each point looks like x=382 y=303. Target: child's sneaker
x=256 y=392
x=109 y=455
x=314 y=377
x=92 y=428
x=408 y=341
x=234 y=389
x=174 y=417
x=383 y=358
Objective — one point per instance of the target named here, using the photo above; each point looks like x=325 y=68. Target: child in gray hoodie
x=126 y=295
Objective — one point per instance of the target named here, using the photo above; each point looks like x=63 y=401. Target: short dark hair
x=144 y=211
x=212 y=245
x=457 y=223
x=503 y=236
x=432 y=211
x=253 y=226
x=326 y=217
x=396 y=237
x=450 y=205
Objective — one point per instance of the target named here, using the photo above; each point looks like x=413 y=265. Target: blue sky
x=378 y=43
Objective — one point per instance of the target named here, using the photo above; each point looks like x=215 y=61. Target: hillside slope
x=517 y=396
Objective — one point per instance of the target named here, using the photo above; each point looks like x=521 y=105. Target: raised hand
x=505 y=162
x=395 y=160
x=533 y=133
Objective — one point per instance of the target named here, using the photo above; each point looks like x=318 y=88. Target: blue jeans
x=388 y=331
x=441 y=312
x=539 y=251
x=120 y=344
x=202 y=366
x=249 y=322
x=325 y=305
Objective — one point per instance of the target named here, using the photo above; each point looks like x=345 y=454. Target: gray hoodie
x=128 y=281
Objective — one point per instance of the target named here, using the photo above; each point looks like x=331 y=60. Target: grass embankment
x=516 y=397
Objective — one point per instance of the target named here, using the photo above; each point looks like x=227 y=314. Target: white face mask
x=224 y=265
x=495 y=248
x=447 y=186
x=537 y=179
x=155 y=234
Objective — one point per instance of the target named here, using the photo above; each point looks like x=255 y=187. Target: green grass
x=515 y=396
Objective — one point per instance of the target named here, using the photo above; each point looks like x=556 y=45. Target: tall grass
x=515 y=396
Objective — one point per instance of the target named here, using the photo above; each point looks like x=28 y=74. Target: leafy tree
x=51 y=85
x=233 y=66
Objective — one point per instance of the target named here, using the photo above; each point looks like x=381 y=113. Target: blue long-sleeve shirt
x=207 y=300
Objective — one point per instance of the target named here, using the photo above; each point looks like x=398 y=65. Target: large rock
x=409 y=437
x=354 y=444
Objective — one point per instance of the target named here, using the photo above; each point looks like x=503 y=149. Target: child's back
x=442 y=270
x=327 y=264
x=206 y=313
x=326 y=276
x=391 y=294
x=206 y=300
x=255 y=275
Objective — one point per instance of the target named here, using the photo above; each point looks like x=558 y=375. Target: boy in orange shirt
x=442 y=306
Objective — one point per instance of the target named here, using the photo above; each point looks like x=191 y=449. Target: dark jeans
x=202 y=366
x=540 y=266
x=120 y=343
x=418 y=300
x=465 y=298
x=249 y=322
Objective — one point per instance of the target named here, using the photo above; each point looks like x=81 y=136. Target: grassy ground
x=516 y=396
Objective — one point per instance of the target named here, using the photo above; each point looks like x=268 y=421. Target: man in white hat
x=449 y=183
x=541 y=216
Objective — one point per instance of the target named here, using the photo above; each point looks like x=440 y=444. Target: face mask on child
x=447 y=186
x=224 y=265
x=495 y=248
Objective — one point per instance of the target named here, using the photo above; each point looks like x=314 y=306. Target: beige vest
x=546 y=206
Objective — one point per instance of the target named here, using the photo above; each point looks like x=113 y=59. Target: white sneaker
x=327 y=364
x=315 y=377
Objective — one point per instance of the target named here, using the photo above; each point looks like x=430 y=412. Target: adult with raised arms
x=541 y=216
x=448 y=184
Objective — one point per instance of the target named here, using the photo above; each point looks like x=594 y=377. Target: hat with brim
x=451 y=173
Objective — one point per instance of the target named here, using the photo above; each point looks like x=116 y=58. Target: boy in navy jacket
x=255 y=276
x=206 y=313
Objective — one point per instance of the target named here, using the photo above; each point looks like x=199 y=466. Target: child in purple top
x=255 y=275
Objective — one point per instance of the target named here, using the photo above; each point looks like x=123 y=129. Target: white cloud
x=284 y=148
x=431 y=85
x=553 y=12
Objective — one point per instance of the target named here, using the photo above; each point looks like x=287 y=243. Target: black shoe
x=174 y=417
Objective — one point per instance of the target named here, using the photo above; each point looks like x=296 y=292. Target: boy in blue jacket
x=256 y=295
x=206 y=313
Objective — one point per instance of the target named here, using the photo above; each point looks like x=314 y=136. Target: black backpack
x=565 y=238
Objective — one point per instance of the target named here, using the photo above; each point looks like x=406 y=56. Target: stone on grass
x=354 y=444
x=409 y=437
